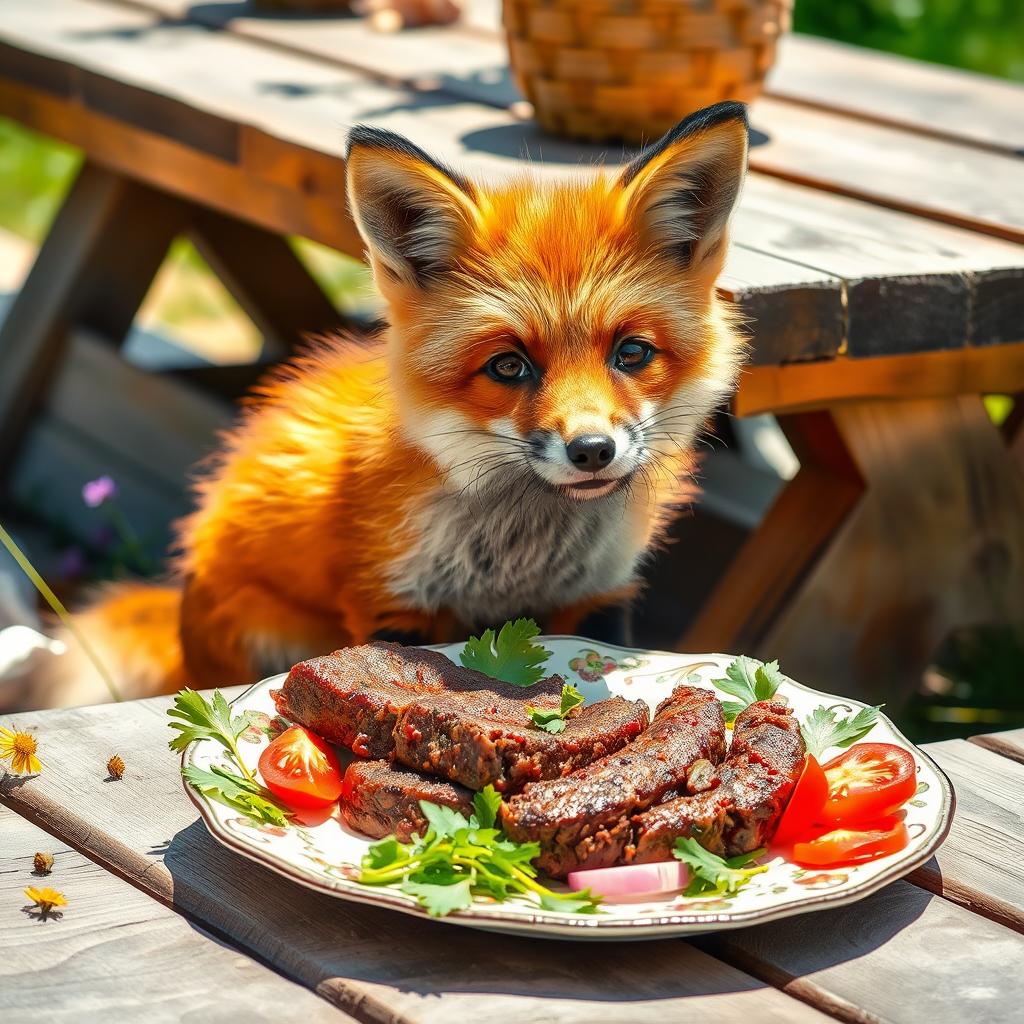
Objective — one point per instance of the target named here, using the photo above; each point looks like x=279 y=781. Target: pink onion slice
x=632 y=881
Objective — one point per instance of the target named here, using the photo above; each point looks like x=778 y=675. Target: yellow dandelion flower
x=46 y=898
x=20 y=747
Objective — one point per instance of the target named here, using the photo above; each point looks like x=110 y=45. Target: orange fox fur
x=401 y=486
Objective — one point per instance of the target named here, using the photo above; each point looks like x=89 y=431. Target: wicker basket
x=630 y=69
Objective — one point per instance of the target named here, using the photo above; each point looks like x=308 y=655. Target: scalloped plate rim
x=586 y=926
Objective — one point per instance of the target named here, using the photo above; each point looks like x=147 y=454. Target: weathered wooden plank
x=977 y=866
x=911 y=285
x=470 y=66
x=179 y=170
x=469 y=58
x=910 y=94
x=379 y=965
x=115 y=953
x=1009 y=743
x=804 y=318
x=930 y=177
x=899 y=955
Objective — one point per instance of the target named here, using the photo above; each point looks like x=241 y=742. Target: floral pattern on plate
x=315 y=852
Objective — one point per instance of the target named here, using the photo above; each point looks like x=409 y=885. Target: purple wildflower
x=97 y=491
x=72 y=565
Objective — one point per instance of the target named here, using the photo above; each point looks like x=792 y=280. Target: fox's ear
x=681 y=190
x=413 y=212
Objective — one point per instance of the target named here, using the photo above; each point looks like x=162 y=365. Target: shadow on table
x=492 y=87
x=339 y=948
x=526 y=140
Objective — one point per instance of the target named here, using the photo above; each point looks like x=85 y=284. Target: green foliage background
x=981 y=35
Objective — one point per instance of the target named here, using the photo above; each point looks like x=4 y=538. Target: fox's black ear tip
x=370 y=136
x=711 y=117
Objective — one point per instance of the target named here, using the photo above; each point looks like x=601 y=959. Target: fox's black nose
x=591 y=452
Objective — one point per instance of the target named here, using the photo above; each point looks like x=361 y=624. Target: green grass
x=35 y=172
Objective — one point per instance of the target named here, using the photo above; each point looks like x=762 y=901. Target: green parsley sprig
x=511 y=655
x=200 y=719
x=749 y=680
x=711 y=875
x=823 y=728
x=459 y=858
x=553 y=719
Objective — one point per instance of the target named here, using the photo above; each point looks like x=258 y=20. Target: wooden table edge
x=799 y=387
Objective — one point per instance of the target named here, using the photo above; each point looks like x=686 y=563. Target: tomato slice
x=868 y=781
x=853 y=846
x=804 y=807
x=301 y=769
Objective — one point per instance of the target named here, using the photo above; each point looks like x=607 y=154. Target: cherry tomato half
x=804 y=807
x=868 y=781
x=301 y=769
x=848 y=846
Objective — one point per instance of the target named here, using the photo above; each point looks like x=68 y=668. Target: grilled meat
x=418 y=707
x=378 y=799
x=501 y=746
x=740 y=808
x=354 y=697
x=584 y=820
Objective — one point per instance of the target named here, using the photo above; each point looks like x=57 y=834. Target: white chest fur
x=517 y=550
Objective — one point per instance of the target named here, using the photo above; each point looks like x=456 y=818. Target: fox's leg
x=249 y=632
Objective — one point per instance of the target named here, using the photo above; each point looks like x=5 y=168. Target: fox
x=514 y=442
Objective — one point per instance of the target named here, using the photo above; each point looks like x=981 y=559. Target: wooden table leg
x=775 y=559
x=936 y=541
x=1013 y=431
x=97 y=264
x=266 y=278
x=94 y=269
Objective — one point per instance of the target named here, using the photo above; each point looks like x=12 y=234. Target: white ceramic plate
x=311 y=853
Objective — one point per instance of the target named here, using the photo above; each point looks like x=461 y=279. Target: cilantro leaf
x=583 y=902
x=440 y=900
x=553 y=719
x=458 y=859
x=444 y=822
x=487 y=803
x=710 y=873
x=235 y=792
x=731 y=708
x=823 y=728
x=382 y=853
x=511 y=656
x=748 y=680
x=203 y=719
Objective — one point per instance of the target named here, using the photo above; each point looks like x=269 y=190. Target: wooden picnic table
x=164 y=924
x=877 y=251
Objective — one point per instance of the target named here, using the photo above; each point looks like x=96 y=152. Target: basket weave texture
x=630 y=69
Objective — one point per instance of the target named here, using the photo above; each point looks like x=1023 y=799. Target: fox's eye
x=632 y=354
x=509 y=367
